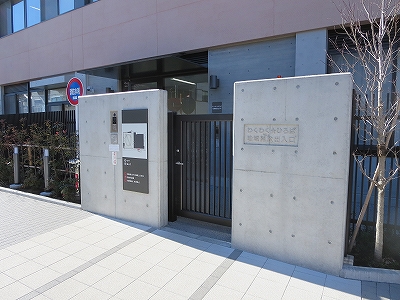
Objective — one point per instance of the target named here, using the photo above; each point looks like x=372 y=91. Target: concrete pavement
x=53 y=250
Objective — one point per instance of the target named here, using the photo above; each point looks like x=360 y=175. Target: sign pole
x=74 y=90
x=77 y=119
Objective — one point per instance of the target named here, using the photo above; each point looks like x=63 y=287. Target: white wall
x=290 y=200
x=101 y=181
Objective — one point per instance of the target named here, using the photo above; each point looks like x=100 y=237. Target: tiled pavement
x=52 y=251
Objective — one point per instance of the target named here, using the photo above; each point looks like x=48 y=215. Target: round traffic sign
x=74 y=90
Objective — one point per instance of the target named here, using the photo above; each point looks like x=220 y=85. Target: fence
x=359 y=184
x=366 y=148
x=32 y=133
x=67 y=118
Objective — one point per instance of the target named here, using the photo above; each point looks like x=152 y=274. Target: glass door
x=187 y=94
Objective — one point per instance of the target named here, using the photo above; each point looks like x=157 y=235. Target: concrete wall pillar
x=311 y=52
x=290 y=169
x=101 y=151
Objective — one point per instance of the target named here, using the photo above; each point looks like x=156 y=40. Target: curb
x=370 y=274
x=41 y=198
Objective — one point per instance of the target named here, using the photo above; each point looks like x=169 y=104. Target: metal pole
x=46 y=168
x=16 y=165
x=46 y=173
x=16 y=184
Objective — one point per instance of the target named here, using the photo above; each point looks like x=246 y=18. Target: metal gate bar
x=360 y=184
x=205 y=159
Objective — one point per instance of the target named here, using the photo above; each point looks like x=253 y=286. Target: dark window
x=5 y=19
x=16 y=103
x=10 y=104
x=50 y=9
x=16 y=99
x=80 y=3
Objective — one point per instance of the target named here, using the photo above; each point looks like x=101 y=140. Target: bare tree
x=369 y=49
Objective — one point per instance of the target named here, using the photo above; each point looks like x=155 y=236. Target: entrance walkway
x=53 y=251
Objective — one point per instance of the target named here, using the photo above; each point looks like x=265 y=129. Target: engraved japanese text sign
x=271 y=134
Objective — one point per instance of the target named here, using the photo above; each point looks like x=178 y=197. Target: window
x=23 y=106
x=33 y=12
x=5 y=19
x=37 y=100
x=1 y=109
x=144 y=86
x=16 y=103
x=10 y=106
x=16 y=99
x=188 y=94
x=50 y=9
x=65 y=6
x=18 y=15
x=80 y=3
x=57 y=95
x=57 y=99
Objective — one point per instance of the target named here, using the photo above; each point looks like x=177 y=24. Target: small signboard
x=216 y=107
x=271 y=134
x=114 y=158
x=135 y=165
x=74 y=90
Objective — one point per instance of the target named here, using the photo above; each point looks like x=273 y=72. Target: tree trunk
x=364 y=209
x=380 y=207
x=381 y=147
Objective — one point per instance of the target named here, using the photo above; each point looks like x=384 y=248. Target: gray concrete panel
x=311 y=52
x=101 y=180
x=290 y=169
x=260 y=60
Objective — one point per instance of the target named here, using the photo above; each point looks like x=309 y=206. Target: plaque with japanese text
x=271 y=134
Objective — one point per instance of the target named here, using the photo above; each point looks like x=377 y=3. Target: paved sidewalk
x=53 y=251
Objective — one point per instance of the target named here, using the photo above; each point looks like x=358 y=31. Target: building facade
x=174 y=45
x=193 y=49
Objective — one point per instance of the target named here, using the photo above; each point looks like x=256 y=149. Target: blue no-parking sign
x=74 y=90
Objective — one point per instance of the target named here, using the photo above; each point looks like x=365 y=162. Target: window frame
x=47 y=12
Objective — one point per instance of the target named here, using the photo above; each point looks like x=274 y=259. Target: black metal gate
x=359 y=183
x=200 y=167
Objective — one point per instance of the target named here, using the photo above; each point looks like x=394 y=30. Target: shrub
x=363 y=250
x=31 y=141
x=33 y=181
x=6 y=171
